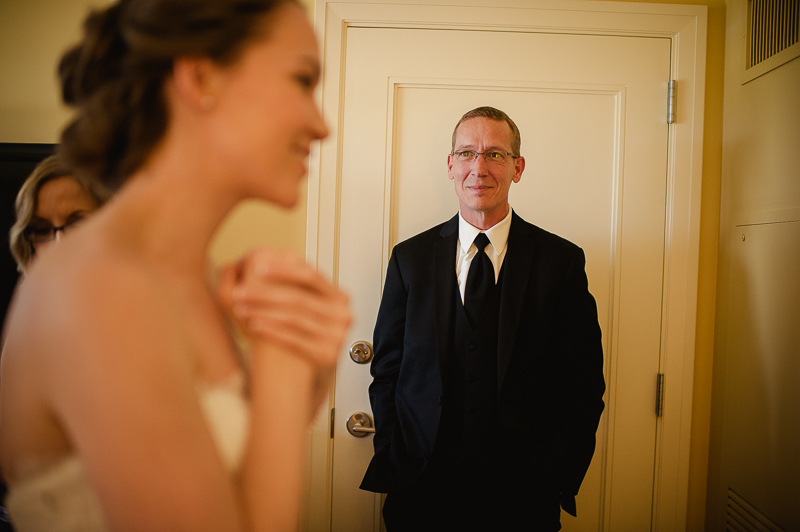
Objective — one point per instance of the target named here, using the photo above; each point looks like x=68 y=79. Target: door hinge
x=333 y=419
x=671 y=101
x=660 y=395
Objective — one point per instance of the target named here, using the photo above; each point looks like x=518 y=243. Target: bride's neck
x=171 y=214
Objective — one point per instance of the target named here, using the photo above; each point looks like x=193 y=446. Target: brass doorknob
x=360 y=424
x=361 y=352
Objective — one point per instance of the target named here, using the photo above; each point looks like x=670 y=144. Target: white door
x=592 y=113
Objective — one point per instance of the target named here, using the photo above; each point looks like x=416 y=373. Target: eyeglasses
x=491 y=156
x=38 y=234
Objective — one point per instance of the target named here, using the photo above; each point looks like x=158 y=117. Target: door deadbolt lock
x=361 y=352
x=360 y=424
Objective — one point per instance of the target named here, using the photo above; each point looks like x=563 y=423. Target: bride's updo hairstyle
x=115 y=75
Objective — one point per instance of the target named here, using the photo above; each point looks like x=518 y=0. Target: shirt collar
x=497 y=234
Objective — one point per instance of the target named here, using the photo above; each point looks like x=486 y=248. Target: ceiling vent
x=773 y=35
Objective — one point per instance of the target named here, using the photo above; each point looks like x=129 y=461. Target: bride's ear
x=197 y=82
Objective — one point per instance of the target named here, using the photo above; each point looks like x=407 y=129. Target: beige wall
x=760 y=161
x=33 y=34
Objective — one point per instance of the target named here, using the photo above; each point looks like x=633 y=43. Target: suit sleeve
x=388 y=341
x=580 y=370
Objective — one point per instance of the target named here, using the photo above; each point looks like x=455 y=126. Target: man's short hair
x=493 y=114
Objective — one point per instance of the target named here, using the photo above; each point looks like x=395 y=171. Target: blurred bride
x=125 y=403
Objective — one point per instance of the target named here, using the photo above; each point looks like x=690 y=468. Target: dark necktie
x=480 y=280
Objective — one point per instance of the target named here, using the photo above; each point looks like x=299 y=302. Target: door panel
x=591 y=110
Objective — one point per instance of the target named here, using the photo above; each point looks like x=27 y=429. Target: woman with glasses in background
x=50 y=202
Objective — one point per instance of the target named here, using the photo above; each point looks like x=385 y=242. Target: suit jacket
x=549 y=362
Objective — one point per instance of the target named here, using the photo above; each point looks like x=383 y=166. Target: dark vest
x=469 y=404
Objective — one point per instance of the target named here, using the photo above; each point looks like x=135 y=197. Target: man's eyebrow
x=489 y=148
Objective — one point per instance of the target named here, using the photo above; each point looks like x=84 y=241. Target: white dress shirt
x=466 y=250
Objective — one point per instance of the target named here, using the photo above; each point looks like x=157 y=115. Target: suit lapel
x=443 y=267
x=516 y=276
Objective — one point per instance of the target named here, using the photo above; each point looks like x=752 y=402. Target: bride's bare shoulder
x=87 y=305
x=84 y=278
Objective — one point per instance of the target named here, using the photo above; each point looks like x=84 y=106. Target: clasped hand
x=274 y=296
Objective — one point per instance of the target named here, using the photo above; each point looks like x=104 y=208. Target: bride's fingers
x=289 y=298
x=316 y=336
x=260 y=319
x=308 y=320
x=288 y=284
x=277 y=297
x=228 y=278
x=322 y=351
x=285 y=267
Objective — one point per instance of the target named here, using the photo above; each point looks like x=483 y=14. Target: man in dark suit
x=486 y=406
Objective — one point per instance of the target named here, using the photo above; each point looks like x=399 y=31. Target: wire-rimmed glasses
x=490 y=156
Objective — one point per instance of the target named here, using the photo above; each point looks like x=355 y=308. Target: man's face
x=482 y=186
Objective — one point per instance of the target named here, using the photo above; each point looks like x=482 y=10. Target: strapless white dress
x=61 y=499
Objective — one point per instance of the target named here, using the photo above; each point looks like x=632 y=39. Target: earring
x=207 y=102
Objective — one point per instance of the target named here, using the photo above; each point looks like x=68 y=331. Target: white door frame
x=685 y=26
